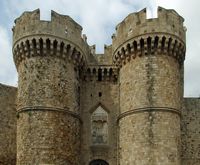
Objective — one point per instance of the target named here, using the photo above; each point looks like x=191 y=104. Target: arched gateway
x=98 y=162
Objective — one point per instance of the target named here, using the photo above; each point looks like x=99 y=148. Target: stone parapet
x=99 y=73
x=61 y=36
x=137 y=36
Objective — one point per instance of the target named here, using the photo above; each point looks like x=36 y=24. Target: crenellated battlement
x=135 y=24
x=138 y=35
x=60 y=36
x=62 y=26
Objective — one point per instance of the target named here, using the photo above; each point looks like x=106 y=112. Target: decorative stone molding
x=55 y=109
x=99 y=126
x=47 y=46
x=156 y=44
x=148 y=109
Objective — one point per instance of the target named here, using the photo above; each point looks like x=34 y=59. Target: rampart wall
x=190 y=130
x=8 y=119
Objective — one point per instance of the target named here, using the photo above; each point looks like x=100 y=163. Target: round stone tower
x=150 y=54
x=47 y=55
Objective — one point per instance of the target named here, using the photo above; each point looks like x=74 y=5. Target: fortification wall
x=7 y=125
x=150 y=54
x=190 y=129
x=47 y=55
x=106 y=58
x=100 y=59
x=47 y=102
x=99 y=141
x=150 y=98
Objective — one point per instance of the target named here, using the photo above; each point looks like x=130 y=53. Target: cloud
x=8 y=73
x=97 y=22
x=98 y=19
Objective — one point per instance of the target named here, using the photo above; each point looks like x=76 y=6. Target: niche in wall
x=99 y=126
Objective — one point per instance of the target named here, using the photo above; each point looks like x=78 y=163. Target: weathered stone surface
x=7 y=125
x=48 y=125
x=154 y=81
x=151 y=90
x=153 y=133
x=190 y=130
x=90 y=101
x=150 y=138
x=47 y=138
x=49 y=82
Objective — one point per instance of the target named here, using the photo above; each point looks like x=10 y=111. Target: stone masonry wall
x=150 y=54
x=47 y=55
x=149 y=80
x=190 y=130
x=150 y=138
x=48 y=130
x=150 y=97
x=7 y=125
x=48 y=81
x=94 y=94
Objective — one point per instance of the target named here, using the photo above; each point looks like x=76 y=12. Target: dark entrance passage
x=98 y=162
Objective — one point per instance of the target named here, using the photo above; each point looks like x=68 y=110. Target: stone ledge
x=148 y=109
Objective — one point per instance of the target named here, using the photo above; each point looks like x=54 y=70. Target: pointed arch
x=97 y=105
x=99 y=125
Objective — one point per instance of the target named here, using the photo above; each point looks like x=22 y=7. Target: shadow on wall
x=98 y=162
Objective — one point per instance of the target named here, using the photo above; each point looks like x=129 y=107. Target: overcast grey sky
x=98 y=19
